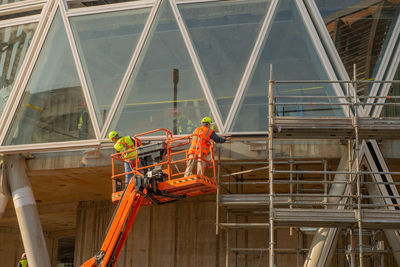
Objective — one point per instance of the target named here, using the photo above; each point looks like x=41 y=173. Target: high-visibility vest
x=126 y=144
x=204 y=133
x=185 y=126
x=80 y=123
x=23 y=263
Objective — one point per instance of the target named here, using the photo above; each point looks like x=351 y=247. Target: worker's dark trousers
x=129 y=169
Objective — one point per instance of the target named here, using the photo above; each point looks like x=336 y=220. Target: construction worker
x=184 y=125
x=23 y=262
x=205 y=134
x=125 y=144
x=83 y=123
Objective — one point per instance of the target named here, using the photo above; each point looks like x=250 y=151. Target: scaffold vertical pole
x=218 y=192
x=357 y=163
x=271 y=167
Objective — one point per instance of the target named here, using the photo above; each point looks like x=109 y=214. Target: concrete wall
x=11 y=247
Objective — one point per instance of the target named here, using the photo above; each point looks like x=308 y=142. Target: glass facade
x=193 y=59
x=360 y=30
x=15 y=41
x=106 y=43
x=53 y=106
x=290 y=62
x=224 y=34
x=164 y=90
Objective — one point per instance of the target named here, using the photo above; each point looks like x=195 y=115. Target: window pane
x=53 y=106
x=15 y=41
x=393 y=110
x=224 y=34
x=106 y=43
x=148 y=102
x=360 y=30
x=290 y=50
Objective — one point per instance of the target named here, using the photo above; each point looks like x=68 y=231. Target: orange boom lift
x=154 y=182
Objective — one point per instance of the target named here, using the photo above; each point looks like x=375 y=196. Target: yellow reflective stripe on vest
x=80 y=124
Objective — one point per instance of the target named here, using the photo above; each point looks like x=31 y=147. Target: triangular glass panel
x=164 y=90
x=15 y=41
x=52 y=108
x=106 y=42
x=360 y=30
x=289 y=48
x=224 y=34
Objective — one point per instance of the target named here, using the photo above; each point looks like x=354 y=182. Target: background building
x=72 y=70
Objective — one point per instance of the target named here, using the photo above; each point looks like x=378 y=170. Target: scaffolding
x=305 y=198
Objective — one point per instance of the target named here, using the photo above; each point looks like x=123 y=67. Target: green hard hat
x=112 y=134
x=206 y=120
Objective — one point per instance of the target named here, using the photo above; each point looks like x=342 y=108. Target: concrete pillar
x=27 y=213
x=4 y=191
x=325 y=238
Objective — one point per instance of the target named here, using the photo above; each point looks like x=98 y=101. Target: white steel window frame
x=333 y=55
x=22 y=6
x=78 y=64
x=389 y=69
x=26 y=68
x=258 y=50
x=131 y=66
x=381 y=74
x=110 y=8
x=196 y=62
x=251 y=65
x=6 y=24
x=57 y=5
x=322 y=54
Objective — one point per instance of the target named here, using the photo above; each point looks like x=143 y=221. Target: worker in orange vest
x=199 y=151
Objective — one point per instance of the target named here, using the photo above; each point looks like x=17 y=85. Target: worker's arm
x=217 y=139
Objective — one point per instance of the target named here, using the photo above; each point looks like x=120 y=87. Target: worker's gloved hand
x=228 y=139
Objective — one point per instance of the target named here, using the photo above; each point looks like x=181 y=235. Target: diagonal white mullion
x=46 y=18
x=329 y=46
x=321 y=53
x=386 y=60
x=251 y=65
x=199 y=71
x=79 y=69
x=394 y=63
x=131 y=66
x=110 y=8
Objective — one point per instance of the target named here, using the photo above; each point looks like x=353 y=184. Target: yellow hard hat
x=112 y=134
x=206 y=120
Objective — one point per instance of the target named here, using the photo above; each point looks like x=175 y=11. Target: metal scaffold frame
x=354 y=210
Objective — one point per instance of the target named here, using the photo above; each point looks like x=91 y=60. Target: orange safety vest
x=204 y=133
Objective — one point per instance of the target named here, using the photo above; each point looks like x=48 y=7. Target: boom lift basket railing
x=153 y=181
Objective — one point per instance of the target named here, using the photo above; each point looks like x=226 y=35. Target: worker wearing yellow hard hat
x=126 y=145
x=199 y=150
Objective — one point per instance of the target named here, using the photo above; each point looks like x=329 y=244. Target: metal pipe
x=27 y=213
x=357 y=163
x=218 y=192
x=325 y=239
x=271 y=167
x=333 y=172
x=337 y=81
